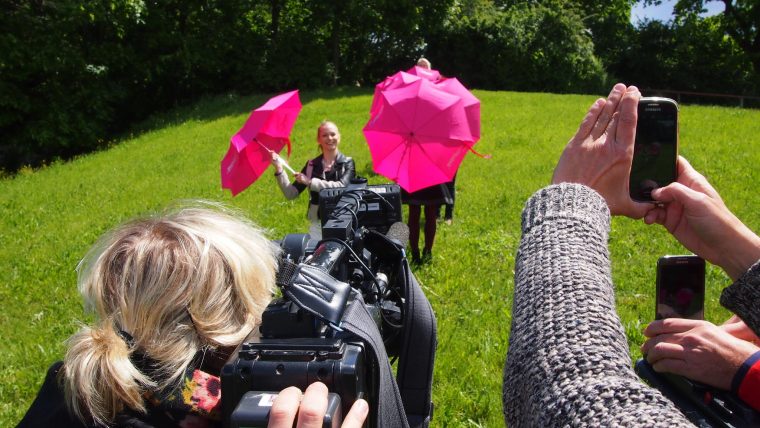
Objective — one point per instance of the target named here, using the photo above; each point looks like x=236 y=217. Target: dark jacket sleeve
x=568 y=362
x=349 y=172
x=743 y=297
x=49 y=407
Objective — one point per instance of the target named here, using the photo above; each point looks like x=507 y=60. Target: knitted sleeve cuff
x=743 y=297
x=567 y=200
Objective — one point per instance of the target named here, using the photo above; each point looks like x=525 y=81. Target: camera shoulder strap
x=390 y=411
x=417 y=358
x=407 y=400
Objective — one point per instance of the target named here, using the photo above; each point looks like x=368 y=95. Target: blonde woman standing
x=330 y=169
x=172 y=296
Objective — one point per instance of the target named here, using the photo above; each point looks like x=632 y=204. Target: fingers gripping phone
x=680 y=287
x=655 y=151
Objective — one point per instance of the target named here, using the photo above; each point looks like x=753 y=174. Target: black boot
x=415 y=256
x=427 y=256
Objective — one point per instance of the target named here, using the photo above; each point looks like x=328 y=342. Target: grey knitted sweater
x=568 y=362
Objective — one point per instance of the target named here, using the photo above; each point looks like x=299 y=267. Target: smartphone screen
x=680 y=287
x=656 y=148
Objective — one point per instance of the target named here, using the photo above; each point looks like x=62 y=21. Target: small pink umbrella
x=266 y=130
x=419 y=135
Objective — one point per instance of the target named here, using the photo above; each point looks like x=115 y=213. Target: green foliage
x=73 y=74
x=689 y=54
x=49 y=217
x=740 y=20
x=525 y=46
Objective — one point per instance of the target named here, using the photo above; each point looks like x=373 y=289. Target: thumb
x=677 y=192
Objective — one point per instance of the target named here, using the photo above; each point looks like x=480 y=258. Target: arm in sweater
x=568 y=362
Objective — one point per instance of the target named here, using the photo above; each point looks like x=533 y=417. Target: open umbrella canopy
x=452 y=85
x=425 y=73
x=419 y=135
x=398 y=80
x=267 y=130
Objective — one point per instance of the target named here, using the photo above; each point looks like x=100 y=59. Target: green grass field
x=49 y=218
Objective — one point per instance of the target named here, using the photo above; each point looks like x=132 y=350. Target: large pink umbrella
x=452 y=85
x=425 y=73
x=398 y=80
x=267 y=130
x=419 y=135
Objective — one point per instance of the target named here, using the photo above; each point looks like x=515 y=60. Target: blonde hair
x=193 y=278
x=424 y=63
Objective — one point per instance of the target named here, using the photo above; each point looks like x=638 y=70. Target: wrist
x=744 y=252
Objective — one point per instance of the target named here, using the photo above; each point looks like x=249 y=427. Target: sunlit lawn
x=49 y=217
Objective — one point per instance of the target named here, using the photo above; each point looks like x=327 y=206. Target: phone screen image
x=656 y=147
x=680 y=287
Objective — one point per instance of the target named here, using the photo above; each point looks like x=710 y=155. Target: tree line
x=75 y=74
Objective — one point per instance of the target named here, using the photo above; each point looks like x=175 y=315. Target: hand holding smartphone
x=656 y=148
x=680 y=287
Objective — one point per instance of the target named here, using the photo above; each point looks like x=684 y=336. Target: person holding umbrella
x=330 y=169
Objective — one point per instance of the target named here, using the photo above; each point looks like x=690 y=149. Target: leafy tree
x=690 y=54
x=519 y=46
x=740 y=19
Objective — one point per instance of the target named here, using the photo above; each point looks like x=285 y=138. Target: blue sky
x=664 y=12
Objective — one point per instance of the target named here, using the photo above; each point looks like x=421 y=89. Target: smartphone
x=680 y=287
x=655 y=152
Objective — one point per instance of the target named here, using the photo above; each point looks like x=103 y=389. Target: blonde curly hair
x=195 y=277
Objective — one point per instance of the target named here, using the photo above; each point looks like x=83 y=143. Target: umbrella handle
x=282 y=161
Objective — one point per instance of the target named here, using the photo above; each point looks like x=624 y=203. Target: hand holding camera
x=698 y=350
x=309 y=407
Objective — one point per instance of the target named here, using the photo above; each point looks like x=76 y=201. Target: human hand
x=310 y=408
x=600 y=153
x=303 y=179
x=695 y=214
x=276 y=162
x=699 y=350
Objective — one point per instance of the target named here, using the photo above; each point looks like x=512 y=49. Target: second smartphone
x=680 y=287
x=656 y=148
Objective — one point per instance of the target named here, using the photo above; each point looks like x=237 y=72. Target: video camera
x=703 y=405
x=310 y=333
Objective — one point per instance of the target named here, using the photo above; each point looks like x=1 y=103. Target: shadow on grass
x=214 y=107
x=205 y=109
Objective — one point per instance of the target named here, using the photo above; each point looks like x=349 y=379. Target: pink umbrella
x=267 y=130
x=426 y=73
x=398 y=80
x=452 y=85
x=419 y=135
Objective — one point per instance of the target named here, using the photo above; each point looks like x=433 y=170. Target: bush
x=526 y=47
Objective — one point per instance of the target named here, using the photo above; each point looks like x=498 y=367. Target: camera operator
x=568 y=361
x=171 y=297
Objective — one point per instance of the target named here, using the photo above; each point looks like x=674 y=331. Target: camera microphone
x=399 y=231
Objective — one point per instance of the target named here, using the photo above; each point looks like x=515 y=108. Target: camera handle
x=314 y=290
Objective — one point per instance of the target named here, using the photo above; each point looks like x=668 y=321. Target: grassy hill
x=50 y=217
